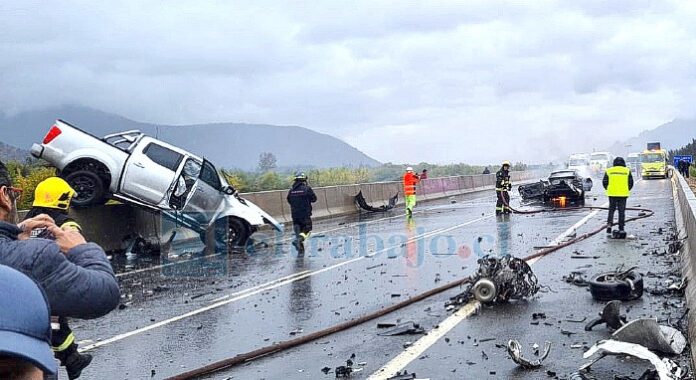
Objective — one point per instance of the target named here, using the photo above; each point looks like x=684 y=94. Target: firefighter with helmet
x=52 y=197
x=300 y=197
x=503 y=186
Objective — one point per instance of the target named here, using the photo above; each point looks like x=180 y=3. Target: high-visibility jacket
x=410 y=181
x=619 y=181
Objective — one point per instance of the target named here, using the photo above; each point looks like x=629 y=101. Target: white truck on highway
x=599 y=162
x=140 y=170
x=579 y=162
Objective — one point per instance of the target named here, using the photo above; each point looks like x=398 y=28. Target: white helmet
x=409 y=169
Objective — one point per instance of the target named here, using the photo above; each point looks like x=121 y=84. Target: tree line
x=267 y=176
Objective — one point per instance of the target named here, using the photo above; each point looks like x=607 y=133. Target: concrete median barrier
x=450 y=186
x=341 y=199
x=685 y=210
x=108 y=225
x=111 y=225
x=320 y=209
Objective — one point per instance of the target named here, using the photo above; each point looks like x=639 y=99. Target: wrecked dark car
x=561 y=188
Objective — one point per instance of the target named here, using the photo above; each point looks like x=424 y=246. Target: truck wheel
x=232 y=233
x=89 y=188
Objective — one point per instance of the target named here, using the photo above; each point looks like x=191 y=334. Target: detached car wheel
x=484 y=290
x=232 y=233
x=89 y=188
x=607 y=287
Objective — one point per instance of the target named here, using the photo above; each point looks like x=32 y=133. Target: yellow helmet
x=53 y=192
x=506 y=162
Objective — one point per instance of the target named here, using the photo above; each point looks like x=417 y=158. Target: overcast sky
x=404 y=81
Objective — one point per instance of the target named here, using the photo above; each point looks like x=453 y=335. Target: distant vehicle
x=600 y=161
x=562 y=187
x=653 y=162
x=143 y=171
x=579 y=162
x=633 y=161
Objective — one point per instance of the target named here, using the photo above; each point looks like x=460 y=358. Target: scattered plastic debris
x=406 y=328
x=515 y=350
x=646 y=332
x=666 y=369
x=610 y=315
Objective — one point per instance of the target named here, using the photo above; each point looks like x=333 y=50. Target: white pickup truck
x=137 y=169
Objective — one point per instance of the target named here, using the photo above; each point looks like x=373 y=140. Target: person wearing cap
x=410 y=181
x=25 y=329
x=52 y=197
x=502 y=189
x=76 y=276
x=300 y=197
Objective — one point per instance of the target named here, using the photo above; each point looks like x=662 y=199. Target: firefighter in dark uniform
x=502 y=189
x=52 y=197
x=301 y=196
x=618 y=182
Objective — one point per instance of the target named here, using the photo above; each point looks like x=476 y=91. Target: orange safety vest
x=410 y=181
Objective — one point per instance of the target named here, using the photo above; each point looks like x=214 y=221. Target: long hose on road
x=281 y=346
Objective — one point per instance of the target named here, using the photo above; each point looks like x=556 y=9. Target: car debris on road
x=666 y=368
x=610 y=315
x=646 y=332
x=514 y=348
x=498 y=280
x=406 y=328
x=617 y=285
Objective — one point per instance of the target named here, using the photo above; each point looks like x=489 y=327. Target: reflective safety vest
x=618 y=181
x=410 y=181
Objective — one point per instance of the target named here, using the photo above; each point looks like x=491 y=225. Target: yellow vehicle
x=653 y=163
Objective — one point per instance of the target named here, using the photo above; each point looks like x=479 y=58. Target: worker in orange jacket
x=410 y=180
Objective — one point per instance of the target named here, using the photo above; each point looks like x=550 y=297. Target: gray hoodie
x=79 y=284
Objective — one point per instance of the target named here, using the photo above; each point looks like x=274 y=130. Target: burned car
x=561 y=188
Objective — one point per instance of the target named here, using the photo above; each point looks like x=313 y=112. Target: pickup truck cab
x=138 y=169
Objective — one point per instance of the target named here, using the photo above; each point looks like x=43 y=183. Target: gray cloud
x=404 y=81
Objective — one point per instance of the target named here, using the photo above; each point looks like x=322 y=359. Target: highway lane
x=214 y=308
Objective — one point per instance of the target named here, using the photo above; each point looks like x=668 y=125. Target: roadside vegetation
x=267 y=176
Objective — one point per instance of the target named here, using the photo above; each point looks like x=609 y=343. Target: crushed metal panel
x=514 y=348
x=666 y=369
x=362 y=203
x=646 y=332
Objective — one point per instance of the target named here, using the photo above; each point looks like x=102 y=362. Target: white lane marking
x=265 y=287
x=349 y=225
x=421 y=345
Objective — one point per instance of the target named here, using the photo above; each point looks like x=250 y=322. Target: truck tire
x=89 y=187
x=232 y=233
x=606 y=287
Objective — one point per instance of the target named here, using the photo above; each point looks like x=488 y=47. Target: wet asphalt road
x=189 y=310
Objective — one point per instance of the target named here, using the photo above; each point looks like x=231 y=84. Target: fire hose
x=284 y=345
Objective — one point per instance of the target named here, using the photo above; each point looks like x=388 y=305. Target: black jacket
x=301 y=197
x=618 y=161
x=79 y=284
x=502 y=180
